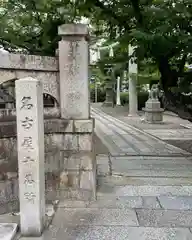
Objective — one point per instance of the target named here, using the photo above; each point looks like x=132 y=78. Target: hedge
x=142 y=97
x=100 y=95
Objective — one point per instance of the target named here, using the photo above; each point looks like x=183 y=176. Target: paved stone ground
x=144 y=190
x=173 y=130
x=123 y=139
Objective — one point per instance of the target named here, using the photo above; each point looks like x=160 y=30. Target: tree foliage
x=32 y=25
x=161 y=30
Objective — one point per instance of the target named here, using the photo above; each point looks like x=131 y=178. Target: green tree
x=31 y=25
x=162 y=31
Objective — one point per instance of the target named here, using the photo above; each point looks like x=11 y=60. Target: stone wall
x=70 y=165
x=7 y=115
x=69 y=161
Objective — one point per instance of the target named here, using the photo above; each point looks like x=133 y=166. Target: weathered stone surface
x=103 y=169
x=78 y=160
x=8 y=129
x=153 y=111
x=75 y=194
x=69 y=179
x=152 y=104
x=164 y=218
x=154 y=173
x=49 y=79
x=87 y=180
x=73 y=204
x=125 y=202
x=114 y=233
x=73 y=30
x=8 y=118
x=150 y=202
x=12 y=187
x=30 y=141
x=121 y=180
x=8 y=195
x=73 y=65
x=8 y=231
x=176 y=202
x=71 y=142
x=52 y=161
x=85 y=216
x=8 y=207
x=84 y=126
x=58 y=126
x=29 y=62
x=86 y=142
x=149 y=190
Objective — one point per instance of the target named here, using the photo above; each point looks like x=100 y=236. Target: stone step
x=119 y=233
x=164 y=218
x=152 y=173
x=178 y=203
x=124 y=166
x=121 y=180
x=126 y=202
x=150 y=159
x=95 y=216
x=143 y=190
x=175 y=202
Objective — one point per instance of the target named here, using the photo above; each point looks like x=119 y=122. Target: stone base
x=153 y=116
x=70 y=165
x=152 y=104
x=135 y=115
x=8 y=231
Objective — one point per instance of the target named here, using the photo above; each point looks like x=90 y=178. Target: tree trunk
x=173 y=101
x=176 y=103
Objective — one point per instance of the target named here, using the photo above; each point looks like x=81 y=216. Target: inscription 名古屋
x=27 y=123
x=26 y=103
x=27 y=143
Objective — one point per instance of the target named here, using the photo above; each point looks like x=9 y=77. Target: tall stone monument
x=153 y=111
x=73 y=69
x=79 y=174
x=30 y=141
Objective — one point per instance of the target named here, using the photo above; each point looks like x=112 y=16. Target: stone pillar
x=73 y=69
x=30 y=140
x=133 y=98
x=109 y=94
x=118 y=99
x=78 y=166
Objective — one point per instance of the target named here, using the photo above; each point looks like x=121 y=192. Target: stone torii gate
x=69 y=152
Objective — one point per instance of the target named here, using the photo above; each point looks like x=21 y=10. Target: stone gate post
x=79 y=165
x=73 y=68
